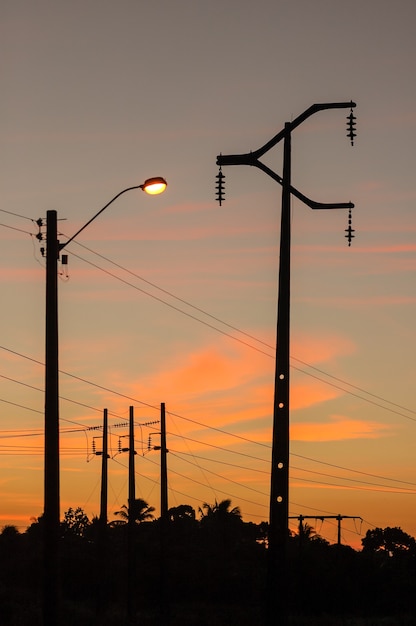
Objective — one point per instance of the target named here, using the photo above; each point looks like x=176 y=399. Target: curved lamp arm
x=152 y=186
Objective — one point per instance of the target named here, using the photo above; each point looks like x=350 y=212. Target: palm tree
x=141 y=512
x=220 y=510
x=307 y=531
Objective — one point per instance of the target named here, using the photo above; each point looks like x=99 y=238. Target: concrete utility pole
x=164 y=521
x=102 y=524
x=277 y=575
x=104 y=475
x=51 y=516
x=131 y=548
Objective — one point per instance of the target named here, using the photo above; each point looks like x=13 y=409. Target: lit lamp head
x=154 y=186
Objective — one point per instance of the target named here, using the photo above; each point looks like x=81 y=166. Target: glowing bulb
x=154 y=186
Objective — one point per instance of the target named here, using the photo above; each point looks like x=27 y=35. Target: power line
x=222 y=431
x=217 y=319
x=19 y=230
x=24 y=217
x=248 y=335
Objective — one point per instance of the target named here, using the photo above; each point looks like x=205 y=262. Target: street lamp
x=277 y=571
x=51 y=588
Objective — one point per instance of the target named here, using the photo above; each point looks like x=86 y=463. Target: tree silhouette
x=75 y=523
x=391 y=542
x=181 y=513
x=140 y=512
x=219 y=511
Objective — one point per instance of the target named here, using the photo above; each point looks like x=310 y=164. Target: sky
x=172 y=299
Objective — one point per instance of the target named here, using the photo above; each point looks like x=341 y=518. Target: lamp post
x=51 y=517
x=277 y=571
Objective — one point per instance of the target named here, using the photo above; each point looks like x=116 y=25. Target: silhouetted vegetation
x=216 y=568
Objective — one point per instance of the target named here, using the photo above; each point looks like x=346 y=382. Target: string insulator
x=119 y=444
x=349 y=230
x=93 y=446
x=149 y=444
x=351 y=127
x=220 y=187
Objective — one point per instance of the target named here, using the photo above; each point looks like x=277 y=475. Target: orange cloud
x=317 y=349
x=312 y=393
x=338 y=429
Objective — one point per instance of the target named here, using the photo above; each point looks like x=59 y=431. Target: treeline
x=202 y=567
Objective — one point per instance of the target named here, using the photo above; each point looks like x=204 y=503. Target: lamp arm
x=63 y=245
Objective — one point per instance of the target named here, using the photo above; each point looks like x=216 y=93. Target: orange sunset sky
x=172 y=298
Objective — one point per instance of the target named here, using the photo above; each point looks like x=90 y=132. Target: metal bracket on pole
x=252 y=158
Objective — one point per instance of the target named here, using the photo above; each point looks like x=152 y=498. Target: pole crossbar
x=252 y=158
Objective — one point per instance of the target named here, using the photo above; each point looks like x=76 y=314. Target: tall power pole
x=131 y=548
x=277 y=567
x=51 y=557
x=164 y=521
x=102 y=523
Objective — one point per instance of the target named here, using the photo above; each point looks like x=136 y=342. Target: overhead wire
x=248 y=335
x=223 y=431
x=249 y=345
x=233 y=327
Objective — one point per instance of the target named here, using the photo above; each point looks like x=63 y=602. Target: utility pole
x=102 y=524
x=164 y=521
x=277 y=578
x=104 y=475
x=51 y=556
x=338 y=517
x=277 y=574
x=131 y=548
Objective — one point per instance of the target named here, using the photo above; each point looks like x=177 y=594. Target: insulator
x=351 y=127
x=220 y=187
x=39 y=224
x=93 y=446
x=119 y=444
x=349 y=230
x=148 y=444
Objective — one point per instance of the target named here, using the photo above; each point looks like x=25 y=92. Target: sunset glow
x=173 y=298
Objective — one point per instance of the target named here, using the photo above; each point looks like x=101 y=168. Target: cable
x=223 y=477
x=224 y=323
x=25 y=217
x=184 y=418
x=351 y=470
x=241 y=332
x=19 y=230
x=171 y=306
x=355 y=488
